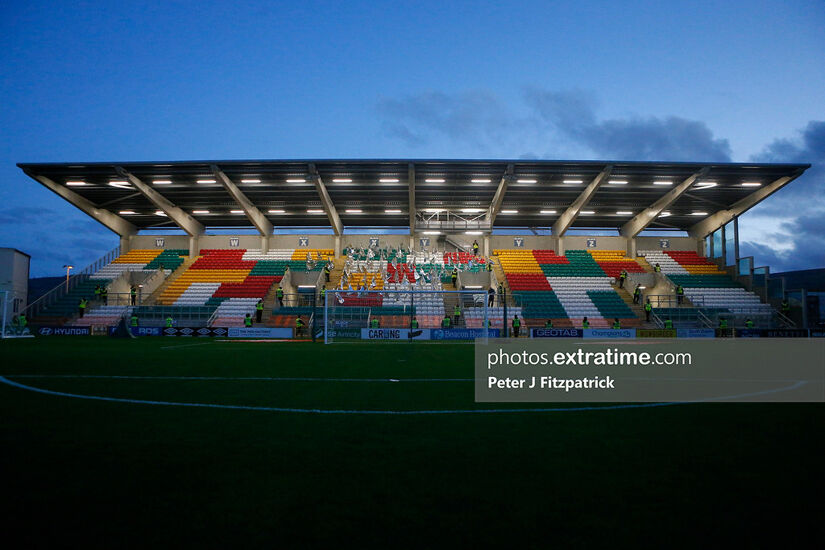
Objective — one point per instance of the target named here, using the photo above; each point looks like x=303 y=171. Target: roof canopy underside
x=377 y=192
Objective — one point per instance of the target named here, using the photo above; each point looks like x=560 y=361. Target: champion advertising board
x=609 y=333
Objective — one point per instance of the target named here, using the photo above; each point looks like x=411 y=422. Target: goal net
x=411 y=315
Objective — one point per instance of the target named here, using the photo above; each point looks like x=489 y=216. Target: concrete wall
x=569 y=242
x=14 y=278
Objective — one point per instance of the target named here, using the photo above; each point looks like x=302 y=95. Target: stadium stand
x=705 y=284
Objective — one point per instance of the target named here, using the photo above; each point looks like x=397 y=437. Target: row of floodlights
x=663 y=214
x=207 y=181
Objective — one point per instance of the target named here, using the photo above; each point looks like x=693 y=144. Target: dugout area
x=134 y=474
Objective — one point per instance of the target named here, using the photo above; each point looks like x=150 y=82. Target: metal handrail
x=32 y=309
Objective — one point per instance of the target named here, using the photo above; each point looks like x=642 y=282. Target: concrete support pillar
x=412 y=242
x=560 y=246
x=125 y=243
x=487 y=250
x=264 y=244
x=337 y=246
x=631 y=247
x=194 y=248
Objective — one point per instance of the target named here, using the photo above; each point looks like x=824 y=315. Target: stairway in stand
x=153 y=298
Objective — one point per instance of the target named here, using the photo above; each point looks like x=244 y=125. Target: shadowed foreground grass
x=106 y=474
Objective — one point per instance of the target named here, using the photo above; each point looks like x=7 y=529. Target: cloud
x=573 y=115
x=800 y=242
x=563 y=121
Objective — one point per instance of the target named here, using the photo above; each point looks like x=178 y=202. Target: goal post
x=411 y=315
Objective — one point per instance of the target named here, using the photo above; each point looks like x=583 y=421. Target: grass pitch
x=127 y=474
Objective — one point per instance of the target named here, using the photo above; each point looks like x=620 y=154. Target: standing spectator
x=475 y=247
x=785 y=308
x=98 y=290
x=668 y=324
x=299 y=326
x=680 y=294
x=170 y=322
x=259 y=311
x=648 y=309
x=622 y=278
x=81 y=307
x=454 y=277
x=22 y=322
x=133 y=321
x=548 y=323
x=247 y=321
x=279 y=293
x=657 y=268
x=585 y=323
x=104 y=295
x=456 y=314
x=326 y=272
x=637 y=294
x=445 y=322
x=616 y=323
x=516 y=326
x=491 y=296
x=133 y=294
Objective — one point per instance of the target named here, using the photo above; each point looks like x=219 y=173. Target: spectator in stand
x=81 y=307
x=247 y=321
x=104 y=295
x=491 y=296
x=98 y=290
x=548 y=323
x=668 y=324
x=475 y=247
x=585 y=323
x=657 y=268
x=279 y=293
x=456 y=314
x=680 y=294
x=516 y=326
x=622 y=278
x=133 y=294
x=454 y=277
x=637 y=294
x=748 y=323
x=259 y=311
x=648 y=310
x=616 y=323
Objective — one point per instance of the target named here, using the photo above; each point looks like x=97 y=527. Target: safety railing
x=37 y=306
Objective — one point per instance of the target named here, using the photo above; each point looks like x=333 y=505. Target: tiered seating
x=667 y=264
x=103 y=315
x=474 y=316
x=693 y=263
x=567 y=288
x=705 y=284
x=613 y=262
x=230 y=280
x=141 y=260
x=323 y=254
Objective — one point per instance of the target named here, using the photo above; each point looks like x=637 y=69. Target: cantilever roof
x=531 y=193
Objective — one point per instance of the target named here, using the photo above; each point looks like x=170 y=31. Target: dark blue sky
x=98 y=81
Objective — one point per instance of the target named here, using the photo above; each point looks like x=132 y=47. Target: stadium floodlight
x=354 y=211
x=698 y=213
x=68 y=269
x=572 y=182
x=472 y=210
x=127 y=212
x=388 y=180
x=705 y=184
x=526 y=181
x=509 y=212
x=276 y=211
x=587 y=212
x=162 y=182
x=751 y=184
x=236 y=212
x=432 y=232
x=547 y=211
x=206 y=181
x=250 y=180
x=160 y=213
x=392 y=211
x=433 y=210
x=664 y=214
x=296 y=180
x=315 y=211
x=624 y=213
x=663 y=182
x=200 y=211
x=341 y=180
x=617 y=182
x=473 y=232
x=473 y=286
x=75 y=183
x=120 y=184
x=480 y=180
x=434 y=180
